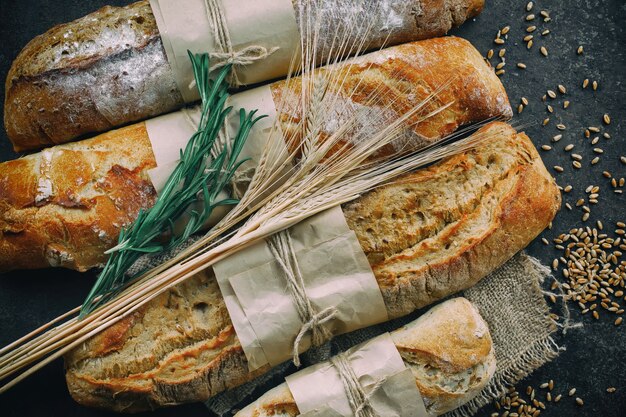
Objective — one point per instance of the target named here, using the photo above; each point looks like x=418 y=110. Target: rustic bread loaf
x=51 y=203
x=448 y=349
x=428 y=235
x=109 y=68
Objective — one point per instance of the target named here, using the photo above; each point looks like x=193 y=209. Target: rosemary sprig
x=197 y=177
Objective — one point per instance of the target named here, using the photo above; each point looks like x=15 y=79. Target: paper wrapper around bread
x=170 y=134
x=271 y=24
x=377 y=364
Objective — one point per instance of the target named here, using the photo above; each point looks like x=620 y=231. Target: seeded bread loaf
x=428 y=235
x=60 y=207
x=109 y=68
x=448 y=349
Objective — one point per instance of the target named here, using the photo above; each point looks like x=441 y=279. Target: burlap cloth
x=510 y=300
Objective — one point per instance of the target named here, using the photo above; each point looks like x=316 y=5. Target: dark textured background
x=596 y=354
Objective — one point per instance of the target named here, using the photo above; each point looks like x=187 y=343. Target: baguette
x=428 y=235
x=109 y=68
x=448 y=349
x=65 y=206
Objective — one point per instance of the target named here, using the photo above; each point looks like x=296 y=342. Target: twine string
x=358 y=399
x=227 y=55
x=281 y=247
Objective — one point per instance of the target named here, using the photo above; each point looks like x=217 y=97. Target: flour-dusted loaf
x=52 y=204
x=109 y=68
x=428 y=235
x=448 y=349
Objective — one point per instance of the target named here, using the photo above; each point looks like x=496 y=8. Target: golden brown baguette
x=448 y=349
x=433 y=233
x=109 y=68
x=48 y=210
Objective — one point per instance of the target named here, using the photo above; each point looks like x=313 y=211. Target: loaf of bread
x=430 y=234
x=109 y=68
x=65 y=205
x=448 y=349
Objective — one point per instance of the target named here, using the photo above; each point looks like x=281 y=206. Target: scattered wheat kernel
x=618 y=321
x=623 y=159
x=562 y=89
x=498 y=41
x=561 y=126
x=544 y=385
x=528 y=38
x=594 y=129
x=621 y=182
x=595 y=160
x=520 y=108
x=579 y=51
x=595 y=140
x=558 y=168
x=500 y=65
x=579 y=401
x=505 y=30
x=544 y=51
x=606 y=119
x=545 y=32
x=568 y=147
x=558 y=398
x=572 y=392
x=607 y=174
x=530 y=17
x=566 y=104
x=529 y=44
x=568 y=188
x=606 y=135
x=585 y=218
x=490 y=54
x=568 y=205
x=500 y=72
x=502 y=52
x=545 y=121
x=524 y=101
x=545 y=241
x=587 y=133
x=586 y=83
x=620 y=224
x=531 y=29
x=550 y=108
x=600 y=225
x=557 y=138
x=547 y=19
x=551 y=94
x=610 y=390
x=546 y=147
x=595 y=85
x=521 y=65
x=529 y=6
x=577 y=165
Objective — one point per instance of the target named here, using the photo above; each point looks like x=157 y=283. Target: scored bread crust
x=448 y=349
x=496 y=199
x=37 y=232
x=109 y=68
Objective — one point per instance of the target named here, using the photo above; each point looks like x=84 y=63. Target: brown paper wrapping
x=319 y=391
x=184 y=25
x=336 y=274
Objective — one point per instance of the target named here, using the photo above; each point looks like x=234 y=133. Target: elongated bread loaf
x=109 y=68
x=448 y=349
x=65 y=205
x=430 y=234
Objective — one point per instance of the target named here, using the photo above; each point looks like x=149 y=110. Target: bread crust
x=448 y=341
x=109 y=68
x=40 y=232
x=504 y=182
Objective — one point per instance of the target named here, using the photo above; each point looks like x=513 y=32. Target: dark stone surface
x=595 y=355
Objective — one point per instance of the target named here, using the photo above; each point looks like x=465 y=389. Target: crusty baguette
x=433 y=233
x=51 y=203
x=448 y=349
x=109 y=68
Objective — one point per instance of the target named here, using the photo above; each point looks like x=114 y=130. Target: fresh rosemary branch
x=197 y=177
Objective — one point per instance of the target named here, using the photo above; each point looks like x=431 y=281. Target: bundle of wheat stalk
x=310 y=174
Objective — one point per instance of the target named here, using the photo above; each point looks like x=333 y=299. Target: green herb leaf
x=197 y=178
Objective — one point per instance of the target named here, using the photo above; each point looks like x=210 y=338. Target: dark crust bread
x=505 y=183
x=109 y=68
x=37 y=233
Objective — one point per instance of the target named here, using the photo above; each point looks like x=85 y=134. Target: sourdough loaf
x=428 y=235
x=51 y=203
x=109 y=68
x=448 y=349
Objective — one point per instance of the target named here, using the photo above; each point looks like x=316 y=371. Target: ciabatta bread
x=109 y=68
x=428 y=235
x=449 y=351
x=65 y=206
